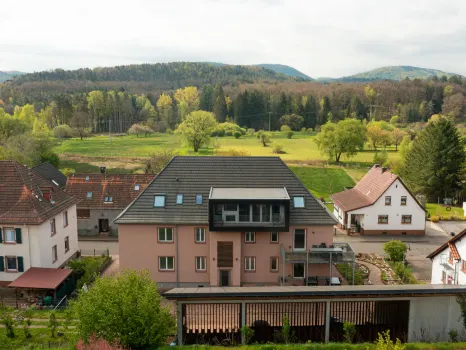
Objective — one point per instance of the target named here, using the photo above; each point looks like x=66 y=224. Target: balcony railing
x=336 y=253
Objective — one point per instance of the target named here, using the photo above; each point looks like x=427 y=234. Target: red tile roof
x=454 y=252
x=41 y=278
x=121 y=187
x=367 y=191
x=21 y=196
x=452 y=241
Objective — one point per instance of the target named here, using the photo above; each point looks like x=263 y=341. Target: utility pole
x=269 y=120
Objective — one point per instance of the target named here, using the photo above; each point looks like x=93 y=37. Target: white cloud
x=331 y=38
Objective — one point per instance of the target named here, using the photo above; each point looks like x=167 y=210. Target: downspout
x=177 y=256
x=29 y=245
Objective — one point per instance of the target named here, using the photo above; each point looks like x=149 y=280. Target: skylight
x=136 y=187
x=159 y=201
x=89 y=195
x=179 y=198
x=298 y=202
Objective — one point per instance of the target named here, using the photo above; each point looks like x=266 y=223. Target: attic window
x=108 y=199
x=159 y=201
x=179 y=198
x=198 y=198
x=87 y=178
x=136 y=187
x=298 y=202
x=89 y=195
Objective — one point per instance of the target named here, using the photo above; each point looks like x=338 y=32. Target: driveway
x=452 y=226
x=419 y=248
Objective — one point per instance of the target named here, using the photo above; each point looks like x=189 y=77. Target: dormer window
x=108 y=199
x=137 y=187
x=87 y=178
x=89 y=195
x=159 y=201
x=298 y=202
x=179 y=198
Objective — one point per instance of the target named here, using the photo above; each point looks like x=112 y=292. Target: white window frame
x=9 y=229
x=250 y=263
x=276 y=258
x=166 y=263
x=406 y=201
x=65 y=218
x=87 y=178
x=67 y=243
x=271 y=237
x=196 y=199
x=299 y=204
x=201 y=232
x=108 y=199
x=89 y=195
x=53 y=227
x=305 y=239
x=6 y=263
x=137 y=187
x=389 y=198
x=159 y=231
x=304 y=270
x=201 y=263
x=54 y=253
x=179 y=198
x=250 y=237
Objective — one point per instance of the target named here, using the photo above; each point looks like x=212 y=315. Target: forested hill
x=145 y=77
x=396 y=73
x=8 y=75
x=286 y=70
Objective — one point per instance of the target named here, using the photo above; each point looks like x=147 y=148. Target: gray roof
x=196 y=175
x=248 y=193
x=50 y=173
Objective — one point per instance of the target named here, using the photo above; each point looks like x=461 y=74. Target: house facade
x=449 y=261
x=379 y=204
x=102 y=199
x=38 y=222
x=224 y=221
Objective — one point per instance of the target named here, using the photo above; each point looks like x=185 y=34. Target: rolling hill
x=284 y=69
x=8 y=75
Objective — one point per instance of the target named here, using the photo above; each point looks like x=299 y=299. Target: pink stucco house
x=225 y=221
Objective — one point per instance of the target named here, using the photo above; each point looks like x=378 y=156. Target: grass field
x=440 y=210
x=301 y=147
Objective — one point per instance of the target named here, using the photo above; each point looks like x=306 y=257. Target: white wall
x=339 y=214
x=394 y=211
x=437 y=268
x=37 y=243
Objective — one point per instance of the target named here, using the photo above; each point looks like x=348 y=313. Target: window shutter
x=1 y=235
x=2 y=263
x=19 y=237
x=20 y=264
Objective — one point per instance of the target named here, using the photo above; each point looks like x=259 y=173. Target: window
x=11 y=263
x=54 y=253
x=10 y=236
x=159 y=201
x=274 y=237
x=249 y=263
x=383 y=219
x=463 y=265
x=179 y=198
x=53 y=229
x=83 y=213
x=166 y=263
x=201 y=263
x=108 y=199
x=165 y=234
x=67 y=243
x=404 y=199
x=250 y=237
x=406 y=219
x=299 y=242
x=298 y=270
x=198 y=198
x=274 y=264
x=298 y=202
x=137 y=187
x=89 y=195
x=87 y=178
x=388 y=200
x=200 y=235
x=65 y=219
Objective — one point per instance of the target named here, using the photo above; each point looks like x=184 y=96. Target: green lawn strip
x=40 y=338
x=329 y=346
x=441 y=210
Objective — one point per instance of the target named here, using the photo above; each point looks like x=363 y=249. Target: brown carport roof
x=41 y=278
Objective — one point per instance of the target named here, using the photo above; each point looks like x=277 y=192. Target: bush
x=68 y=171
x=303 y=130
x=289 y=134
x=50 y=157
x=435 y=218
x=137 y=129
x=264 y=137
x=251 y=132
x=233 y=152
x=237 y=134
x=345 y=269
x=381 y=157
x=404 y=273
x=285 y=128
x=309 y=130
x=6 y=319
x=278 y=149
x=228 y=129
x=169 y=131
x=88 y=269
x=453 y=334
x=62 y=132
x=247 y=334
x=395 y=249
x=349 y=330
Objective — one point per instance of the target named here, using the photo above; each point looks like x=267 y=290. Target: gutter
x=177 y=257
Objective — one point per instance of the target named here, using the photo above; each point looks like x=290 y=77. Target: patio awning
x=41 y=278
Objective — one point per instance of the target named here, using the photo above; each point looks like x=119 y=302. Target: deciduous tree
x=196 y=128
x=187 y=100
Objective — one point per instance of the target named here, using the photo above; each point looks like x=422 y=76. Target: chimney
x=376 y=165
x=384 y=169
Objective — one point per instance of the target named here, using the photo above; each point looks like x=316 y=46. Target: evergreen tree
x=309 y=111
x=207 y=98
x=434 y=164
x=325 y=108
x=219 y=104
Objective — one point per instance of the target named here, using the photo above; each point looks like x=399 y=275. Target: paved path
x=375 y=275
x=114 y=267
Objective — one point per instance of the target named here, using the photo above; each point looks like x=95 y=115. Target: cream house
x=379 y=204
x=38 y=226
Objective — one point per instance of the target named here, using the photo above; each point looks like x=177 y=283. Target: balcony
x=249 y=209
x=336 y=254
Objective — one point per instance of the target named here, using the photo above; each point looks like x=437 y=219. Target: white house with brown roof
x=449 y=261
x=38 y=224
x=380 y=203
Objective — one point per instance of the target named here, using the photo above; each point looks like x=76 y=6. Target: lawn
x=440 y=210
x=300 y=148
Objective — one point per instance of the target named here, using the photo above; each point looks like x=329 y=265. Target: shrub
x=303 y=130
x=233 y=152
x=247 y=334
x=68 y=171
x=264 y=137
x=285 y=128
x=347 y=269
x=349 y=330
x=453 y=334
x=62 y=132
x=404 y=273
x=309 y=130
x=435 y=218
x=395 y=249
x=98 y=344
x=286 y=330
x=158 y=160
x=237 y=134
x=384 y=342
x=381 y=157
x=137 y=129
x=278 y=149
x=53 y=324
x=289 y=134
x=228 y=129
x=8 y=322
x=169 y=131
x=251 y=132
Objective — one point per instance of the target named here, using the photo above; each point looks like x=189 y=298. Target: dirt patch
x=133 y=164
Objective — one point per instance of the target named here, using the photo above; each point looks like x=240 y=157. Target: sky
x=330 y=38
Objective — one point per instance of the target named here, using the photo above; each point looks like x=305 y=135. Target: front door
x=103 y=225
x=224 y=278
